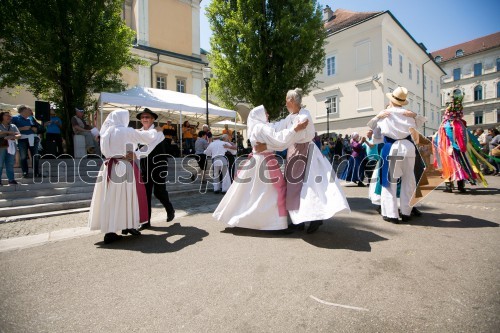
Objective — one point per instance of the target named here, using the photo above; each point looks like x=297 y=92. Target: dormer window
x=438 y=58
x=459 y=53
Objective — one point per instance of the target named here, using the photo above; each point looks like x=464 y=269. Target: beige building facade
x=367 y=56
x=473 y=70
x=168 y=40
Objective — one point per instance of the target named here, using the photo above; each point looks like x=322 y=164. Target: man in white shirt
x=217 y=150
x=398 y=155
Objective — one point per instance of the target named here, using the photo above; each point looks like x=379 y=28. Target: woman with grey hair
x=313 y=192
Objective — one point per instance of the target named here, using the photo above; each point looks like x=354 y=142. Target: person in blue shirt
x=29 y=140
x=53 y=134
x=372 y=154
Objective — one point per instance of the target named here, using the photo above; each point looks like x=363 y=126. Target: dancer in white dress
x=256 y=199
x=313 y=190
x=119 y=201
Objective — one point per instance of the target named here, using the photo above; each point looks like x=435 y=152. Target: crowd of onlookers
x=23 y=139
x=490 y=145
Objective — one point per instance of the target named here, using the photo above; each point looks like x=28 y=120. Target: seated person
x=80 y=127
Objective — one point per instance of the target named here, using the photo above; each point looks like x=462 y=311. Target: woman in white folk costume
x=119 y=201
x=313 y=192
x=397 y=157
x=256 y=199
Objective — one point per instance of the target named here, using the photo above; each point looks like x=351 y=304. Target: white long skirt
x=321 y=196
x=250 y=202
x=115 y=205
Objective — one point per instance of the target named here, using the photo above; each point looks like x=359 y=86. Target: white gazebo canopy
x=230 y=124
x=168 y=104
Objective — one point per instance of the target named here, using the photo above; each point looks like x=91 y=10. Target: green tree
x=64 y=51
x=261 y=49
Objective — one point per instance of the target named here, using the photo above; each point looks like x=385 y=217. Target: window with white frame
x=457 y=72
x=181 y=85
x=333 y=106
x=389 y=54
x=330 y=66
x=478 y=69
x=478 y=93
x=409 y=71
x=161 y=82
x=478 y=117
x=418 y=76
x=401 y=63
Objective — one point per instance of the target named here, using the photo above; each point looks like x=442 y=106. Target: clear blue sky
x=436 y=23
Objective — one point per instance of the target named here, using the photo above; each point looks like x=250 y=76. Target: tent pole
x=180 y=130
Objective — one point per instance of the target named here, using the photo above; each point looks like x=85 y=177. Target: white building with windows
x=473 y=70
x=367 y=55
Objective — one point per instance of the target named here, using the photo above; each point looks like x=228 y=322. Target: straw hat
x=398 y=96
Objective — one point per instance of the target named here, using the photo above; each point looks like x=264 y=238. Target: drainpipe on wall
x=423 y=90
x=151 y=68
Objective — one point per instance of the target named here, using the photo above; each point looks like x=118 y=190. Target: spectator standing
x=372 y=155
x=200 y=146
x=29 y=140
x=8 y=134
x=494 y=143
x=53 y=133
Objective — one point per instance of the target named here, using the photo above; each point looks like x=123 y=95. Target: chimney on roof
x=327 y=13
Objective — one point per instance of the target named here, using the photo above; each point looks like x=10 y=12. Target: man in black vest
x=154 y=170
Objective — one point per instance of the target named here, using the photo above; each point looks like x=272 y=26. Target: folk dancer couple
x=400 y=167
x=261 y=197
x=121 y=201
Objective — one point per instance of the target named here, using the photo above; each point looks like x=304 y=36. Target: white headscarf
x=354 y=136
x=115 y=120
x=256 y=116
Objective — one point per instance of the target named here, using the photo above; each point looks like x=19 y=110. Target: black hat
x=146 y=110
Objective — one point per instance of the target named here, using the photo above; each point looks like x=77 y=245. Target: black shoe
x=217 y=192
x=301 y=226
x=111 y=237
x=361 y=184
x=13 y=182
x=133 y=232
x=290 y=230
x=391 y=219
x=405 y=218
x=170 y=216
x=448 y=187
x=415 y=212
x=314 y=226
x=193 y=177
x=461 y=186
x=379 y=209
x=144 y=226
x=222 y=193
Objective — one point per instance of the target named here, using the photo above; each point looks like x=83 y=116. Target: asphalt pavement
x=358 y=273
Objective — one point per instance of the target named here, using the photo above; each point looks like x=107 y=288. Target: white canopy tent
x=230 y=124
x=169 y=105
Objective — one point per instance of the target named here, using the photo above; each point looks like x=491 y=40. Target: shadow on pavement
x=159 y=243
x=329 y=236
x=450 y=221
x=479 y=191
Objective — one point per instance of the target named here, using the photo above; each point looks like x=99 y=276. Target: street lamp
x=207 y=75
x=328 y=104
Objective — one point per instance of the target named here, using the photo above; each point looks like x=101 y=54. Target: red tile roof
x=343 y=18
x=470 y=47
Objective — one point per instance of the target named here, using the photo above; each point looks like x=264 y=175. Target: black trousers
x=52 y=139
x=157 y=186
